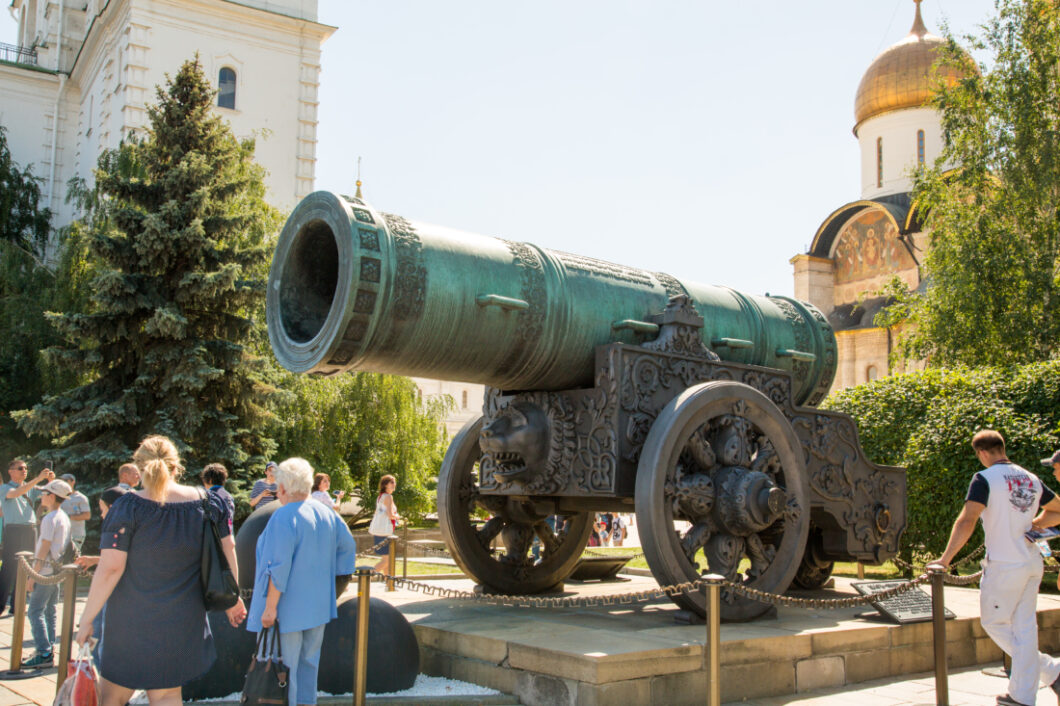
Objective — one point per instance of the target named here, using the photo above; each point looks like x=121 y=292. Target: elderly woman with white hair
x=303 y=548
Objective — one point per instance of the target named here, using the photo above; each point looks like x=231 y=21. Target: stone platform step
x=640 y=652
x=451 y=700
x=495 y=700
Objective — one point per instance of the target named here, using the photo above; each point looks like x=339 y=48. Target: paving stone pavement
x=968 y=686
x=39 y=689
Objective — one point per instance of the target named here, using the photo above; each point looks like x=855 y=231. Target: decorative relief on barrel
x=830 y=359
x=799 y=368
x=532 y=319
x=671 y=284
x=601 y=268
x=370 y=269
x=410 y=278
x=369 y=239
x=363 y=216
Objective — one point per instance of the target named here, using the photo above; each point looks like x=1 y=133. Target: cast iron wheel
x=513 y=570
x=721 y=489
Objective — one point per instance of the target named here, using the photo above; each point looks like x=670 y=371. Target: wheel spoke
x=490 y=530
x=550 y=542
x=695 y=539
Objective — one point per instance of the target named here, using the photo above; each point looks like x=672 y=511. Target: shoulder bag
x=266 y=681
x=219 y=588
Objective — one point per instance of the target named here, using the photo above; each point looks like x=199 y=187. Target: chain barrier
x=523 y=601
x=370 y=553
x=971 y=557
x=54 y=579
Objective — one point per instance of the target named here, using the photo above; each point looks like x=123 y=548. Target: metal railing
x=67 y=576
x=18 y=55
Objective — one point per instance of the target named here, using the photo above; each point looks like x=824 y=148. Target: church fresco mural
x=867 y=255
x=868 y=246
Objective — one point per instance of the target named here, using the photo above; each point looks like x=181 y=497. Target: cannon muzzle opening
x=312 y=276
x=308 y=282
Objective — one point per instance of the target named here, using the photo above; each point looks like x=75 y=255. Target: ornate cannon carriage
x=609 y=388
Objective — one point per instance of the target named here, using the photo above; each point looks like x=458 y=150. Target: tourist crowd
x=145 y=615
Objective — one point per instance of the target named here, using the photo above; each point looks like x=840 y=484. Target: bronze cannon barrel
x=351 y=288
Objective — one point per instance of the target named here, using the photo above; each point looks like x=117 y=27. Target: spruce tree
x=166 y=345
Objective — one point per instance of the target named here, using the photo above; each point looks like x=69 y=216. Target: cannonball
x=393 y=653
x=247 y=545
x=235 y=648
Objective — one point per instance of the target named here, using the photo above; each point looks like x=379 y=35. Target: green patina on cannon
x=609 y=388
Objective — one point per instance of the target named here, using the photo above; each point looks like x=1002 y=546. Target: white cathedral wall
x=898 y=129
x=131 y=46
x=28 y=93
x=277 y=74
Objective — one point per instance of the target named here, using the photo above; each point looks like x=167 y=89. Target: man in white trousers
x=1006 y=497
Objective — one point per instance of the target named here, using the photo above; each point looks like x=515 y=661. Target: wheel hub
x=747 y=501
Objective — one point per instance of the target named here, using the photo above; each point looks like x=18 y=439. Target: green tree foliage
x=993 y=283
x=26 y=289
x=924 y=421
x=176 y=247
x=358 y=428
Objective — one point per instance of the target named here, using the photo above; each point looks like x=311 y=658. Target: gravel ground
x=424 y=686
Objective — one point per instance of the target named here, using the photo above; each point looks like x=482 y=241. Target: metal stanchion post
x=938 y=624
x=712 y=658
x=18 y=628
x=360 y=654
x=66 y=637
x=405 y=552
x=391 y=561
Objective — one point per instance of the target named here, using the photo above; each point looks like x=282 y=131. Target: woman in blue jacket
x=303 y=548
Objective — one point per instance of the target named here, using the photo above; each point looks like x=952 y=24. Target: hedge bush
x=925 y=420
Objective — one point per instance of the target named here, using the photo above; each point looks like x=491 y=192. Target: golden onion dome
x=901 y=76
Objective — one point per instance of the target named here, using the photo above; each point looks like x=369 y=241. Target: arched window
x=919 y=146
x=226 y=88
x=879 y=162
x=871 y=373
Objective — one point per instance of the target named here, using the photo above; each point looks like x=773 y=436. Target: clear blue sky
x=704 y=139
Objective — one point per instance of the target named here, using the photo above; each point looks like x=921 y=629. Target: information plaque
x=912 y=606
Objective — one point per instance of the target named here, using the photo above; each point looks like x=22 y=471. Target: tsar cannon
x=608 y=388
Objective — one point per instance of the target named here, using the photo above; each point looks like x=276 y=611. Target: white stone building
x=84 y=71
x=863 y=244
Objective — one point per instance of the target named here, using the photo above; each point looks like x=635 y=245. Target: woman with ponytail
x=148 y=577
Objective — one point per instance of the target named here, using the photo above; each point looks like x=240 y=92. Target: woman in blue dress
x=149 y=578
x=303 y=548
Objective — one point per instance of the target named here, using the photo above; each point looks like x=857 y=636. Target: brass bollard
x=18 y=627
x=391 y=561
x=861 y=571
x=712 y=647
x=938 y=625
x=67 y=635
x=405 y=551
x=360 y=653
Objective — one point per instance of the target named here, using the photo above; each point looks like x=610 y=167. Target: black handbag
x=220 y=591
x=266 y=681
